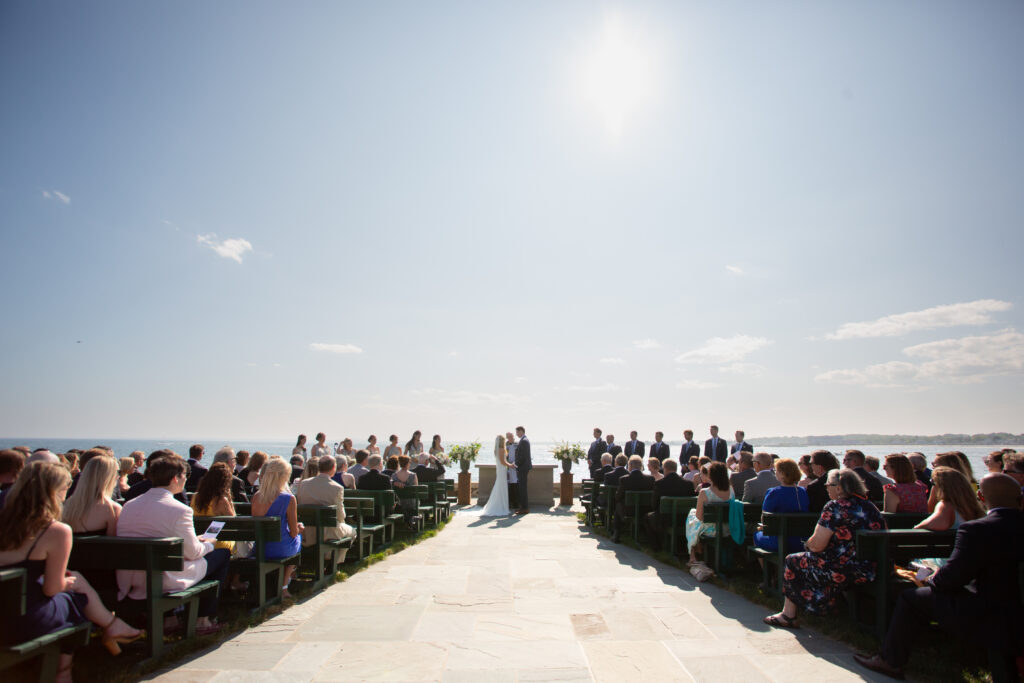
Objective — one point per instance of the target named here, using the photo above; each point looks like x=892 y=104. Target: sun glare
x=618 y=74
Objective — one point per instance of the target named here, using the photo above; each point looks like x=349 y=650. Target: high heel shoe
x=114 y=643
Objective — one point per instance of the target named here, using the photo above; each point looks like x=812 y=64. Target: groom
x=523 y=466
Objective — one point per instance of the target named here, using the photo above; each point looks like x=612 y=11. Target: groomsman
x=715 y=448
x=689 y=449
x=596 y=450
x=740 y=444
x=613 y=447
x=634 y=447
x=659 y=449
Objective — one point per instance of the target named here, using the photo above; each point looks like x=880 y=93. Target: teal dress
x=287 y=546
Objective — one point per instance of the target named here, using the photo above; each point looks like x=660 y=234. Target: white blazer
x=156 y=514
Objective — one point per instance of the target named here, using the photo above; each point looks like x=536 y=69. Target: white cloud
x=465 y=397
x=232 y=248
x=696 y=384
x=970 y=313
x=519 y=380
x=960 y=361
x=57 y=195
x=735 y=270
x=647 y=344
x=612 y=361
x=720 y=350
x=335 y=348
x=607 y=386
x=743 y=369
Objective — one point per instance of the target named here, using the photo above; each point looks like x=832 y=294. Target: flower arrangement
x=465 y=453
x=567 y=451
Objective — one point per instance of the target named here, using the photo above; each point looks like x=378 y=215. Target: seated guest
x=692 y=468
x=70 y=460
x=756 y=487
x=374 y=479
x=612 y=478
x=399 y=480
x=804 y=463
x=226 y=455
x=813 y=580
x=392 y=465
x=718 y=491
x=949 y=459
x=157 y=514
x=90 y=510
x=1013 y=466
x=956 y=501
x=136 y=476
x=341 y=473
x=786 y=497
x=654 y=468
x=145 y=485
x=605 y=468
x=250 y=474
x=241 y=462
x=871 y=464
x=298 y=464
x=322 y=490
x=855 y=460
x=311 y=470
x=12 y=462
x=195 y=469
x=636 y=480
x=994 y=462
x=671 y=485
x=83 y=460
x=921 y=471
x=274 y=500
x=988 y=552
x=428 y=473
x=34 y=539
x=359 y=469
x=908 y=494
x=213 y=497
x=700 y=479
x=125 y=468
x=822 y=462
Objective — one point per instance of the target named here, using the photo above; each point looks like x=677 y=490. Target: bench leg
x=191 y=608
x=48 y=663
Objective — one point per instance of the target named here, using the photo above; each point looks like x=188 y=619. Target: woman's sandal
x=781 y=621
x=114 y=643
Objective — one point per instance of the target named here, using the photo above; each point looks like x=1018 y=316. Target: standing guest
x=341 y=473
x=871 y=464
x=715 y=448
x=741 y=446
x=613 y=448
x=988 y=552
x=320 y=448
x=955 y=501
x=429 y=469
x=399 y=480
x=692 y=468
x=822 y=462
x=764 y=479
x=250 y=476
x=414 y=446
x=636 y=480
x=393 y=449
x=908 y=494
x=804 y=463
x=744 y=472
x=718 y=491
x=523 y=465
x=374 y=479
x=669 y=486
x=241 y=462
x=392 y=465
x=690 y=448
x=139 y=458
x=156 y=514
x=436 y=449
x=195 y=469
x=90 y=510
x=660 y=449
x=12 y=462
x=372 y=448
x=596 y=450
x=36 y=541
x=855 y=460
x=274 y=500
x=226 y=455
x=786 y=497
x=322 y=490
x=345 y=448
x=359 y=469
x=654 y=468
x=300 y=447
x=634 y=446
x=606 y=467
x=921 y=471
x=814 y=579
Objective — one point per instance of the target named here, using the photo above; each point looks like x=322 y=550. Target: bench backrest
x=682 y=504
x=419 y=491
x=383 y=502
x=644 y=498
x=114 y=552
x=257 y=529
x=789 y=523
x=903 y=545
x=12 y=592
x=903 y=520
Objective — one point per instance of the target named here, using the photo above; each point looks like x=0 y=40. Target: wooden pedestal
x=566 y=497
x=463 y=490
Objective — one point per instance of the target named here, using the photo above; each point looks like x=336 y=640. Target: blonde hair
x=125 y=465
x=32 y=503
x=95 y=483
x=273 y=479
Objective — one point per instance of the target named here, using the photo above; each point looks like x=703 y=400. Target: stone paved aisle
x=520 y=599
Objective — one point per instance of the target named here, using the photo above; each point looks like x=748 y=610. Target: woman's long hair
x=954 y=488
x=499 y=445
x=216 y=483
x=95 y=483
x=273 y=480
x=33 y=502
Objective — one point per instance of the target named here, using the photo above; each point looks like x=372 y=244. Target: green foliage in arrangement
x=466 y=452
x=569 y=451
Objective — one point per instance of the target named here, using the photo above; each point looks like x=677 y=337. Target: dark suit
x=660 y=450
x=238 y=491
x=716 y=453
x=611 y=480
x=426 y=474
x=597 y=449
x=743 y=446
x=871 y=483
x=635 y=448
x=925 y=477
x=669 y=486
x=374 y=481
x=135 y=477
x=614 y=449
x=195 y=473
x=688 y=450
x=599 y=474
x=817 y=494
x=524 y=463
x=988 y=551
x=636 y=480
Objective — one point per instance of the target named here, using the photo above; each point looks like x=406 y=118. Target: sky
x=251 y=220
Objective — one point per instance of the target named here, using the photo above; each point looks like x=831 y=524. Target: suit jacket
x=134 y=478
x=685 y=453
x=638 y=450
x=322 y=490
x=872 y=484
x=597 y=449
x=670 y=486
x=660 y=451
x=636 y=480
x=758 y=485
x=195 y=473
x=718 y=454
x=612 y=478
x=374 y=481
x=989 y=551
x=744 y=446
x=524 y=463
x=817 y=494
x=925 y=477
x=425 y=474
x=739 y=479
x=157 y=514
x=614 y=449
x=600 y=473
x=238 y=491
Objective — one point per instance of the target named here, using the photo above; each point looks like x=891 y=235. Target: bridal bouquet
x=567 y=451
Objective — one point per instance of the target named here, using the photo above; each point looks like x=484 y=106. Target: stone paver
x=524 y=599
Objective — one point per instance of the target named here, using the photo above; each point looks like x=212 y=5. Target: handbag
x=701 y=571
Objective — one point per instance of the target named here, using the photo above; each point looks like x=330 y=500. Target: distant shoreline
x=990 y=439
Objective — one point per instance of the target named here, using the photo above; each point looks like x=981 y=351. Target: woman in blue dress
x=274 y=500
x=785 y=498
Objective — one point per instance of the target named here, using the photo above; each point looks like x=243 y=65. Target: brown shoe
x=523 y=511
x=876 y=663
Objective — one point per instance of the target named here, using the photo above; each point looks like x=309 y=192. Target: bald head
x=42 y=455
x=1000 y=491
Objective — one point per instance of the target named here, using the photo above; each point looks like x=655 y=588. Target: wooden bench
x=782 y=525
x=887 y=548
x=382 y=519
x=677 y=508
x=449 y=490
x=438 y=498
x=321 y=559
x=587 y=493
x=153 y=556
x=903 y=520
x=46 y=648
x=718 y=514
x=424 y=509
x=636 y=505
x=266 y=577
x=357 y=513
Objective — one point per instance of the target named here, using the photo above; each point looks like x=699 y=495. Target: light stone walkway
x=521 y=599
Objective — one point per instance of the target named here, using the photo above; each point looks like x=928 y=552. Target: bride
x=497 y=503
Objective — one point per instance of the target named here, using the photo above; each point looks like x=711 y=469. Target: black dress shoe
x=876 y=663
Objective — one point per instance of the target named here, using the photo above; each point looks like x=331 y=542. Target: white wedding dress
x=497 y=503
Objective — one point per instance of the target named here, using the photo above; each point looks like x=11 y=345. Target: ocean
x=541 y=449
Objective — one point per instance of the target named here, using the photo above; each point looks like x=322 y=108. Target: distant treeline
x=994 y=439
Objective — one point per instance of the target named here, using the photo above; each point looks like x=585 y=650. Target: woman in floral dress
x=814 y=579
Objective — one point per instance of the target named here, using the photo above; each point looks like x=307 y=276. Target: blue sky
x=459 y=217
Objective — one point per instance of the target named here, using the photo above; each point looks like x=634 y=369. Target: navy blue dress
x=782 y=499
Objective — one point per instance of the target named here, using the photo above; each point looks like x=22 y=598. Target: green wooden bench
x=153 y=556
x=606 y=503
x=718 y=514
x=587 y=498
x=266 y=577
x=357 y=512
x=782 y=525
x=888 y=548
x=636 y=505
x=46 y=649
x=439 y=499
x=677 y=508
x=903 y=520
x=425 y=510
x=449 y=490
x=378 y=520
x=321 y=559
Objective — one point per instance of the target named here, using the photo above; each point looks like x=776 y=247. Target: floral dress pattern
x=814 y=580
x=913 y=496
